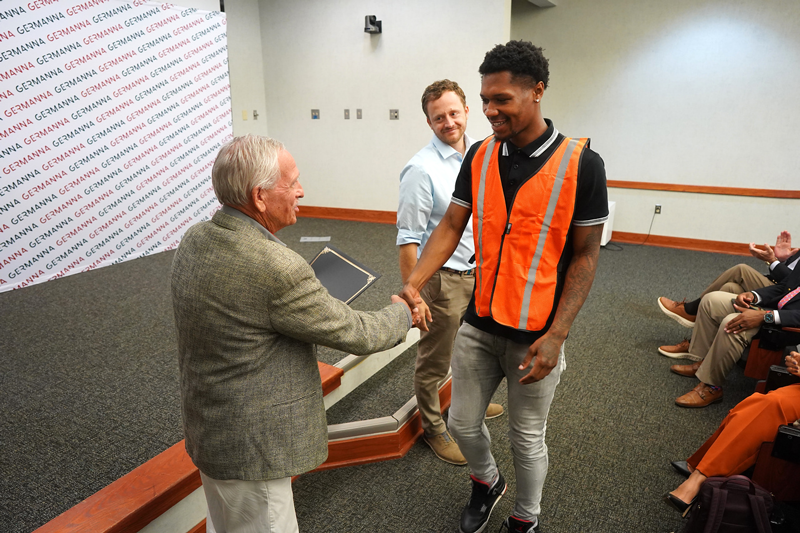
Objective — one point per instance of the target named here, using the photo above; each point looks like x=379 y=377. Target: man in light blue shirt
x=426 y=187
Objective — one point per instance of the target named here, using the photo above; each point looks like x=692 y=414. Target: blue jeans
x=480 y=362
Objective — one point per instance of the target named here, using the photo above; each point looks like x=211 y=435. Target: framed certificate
x=344 y=277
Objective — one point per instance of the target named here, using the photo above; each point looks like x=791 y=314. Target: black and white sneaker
x=516 y=525
x=475 y=515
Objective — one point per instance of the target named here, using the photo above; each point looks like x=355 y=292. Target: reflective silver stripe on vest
x=487 y=157
x=548 y=218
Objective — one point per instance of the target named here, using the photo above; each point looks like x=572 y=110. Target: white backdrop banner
x=111 y=115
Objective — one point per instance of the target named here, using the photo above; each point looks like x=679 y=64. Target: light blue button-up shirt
x=426 y=187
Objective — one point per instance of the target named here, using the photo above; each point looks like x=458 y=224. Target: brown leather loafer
x=679 y=351
x=700 y=396
x=675 y=310
x=686 y=370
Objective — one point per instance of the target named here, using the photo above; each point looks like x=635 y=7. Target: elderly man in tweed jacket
x=249 y=312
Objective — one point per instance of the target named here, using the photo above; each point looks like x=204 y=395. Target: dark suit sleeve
x=771 y=296
x=780 y=272
x=790 y=318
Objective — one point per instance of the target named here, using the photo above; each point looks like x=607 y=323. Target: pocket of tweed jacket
x=309 y=432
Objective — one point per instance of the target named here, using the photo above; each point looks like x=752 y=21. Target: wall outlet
x=315 y=114
x=358 y=114
x=394 y=114
x=347 y=114
x=658 y=209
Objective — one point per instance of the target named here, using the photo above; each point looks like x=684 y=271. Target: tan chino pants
x=447 y=294
x=738 y=279
x=719 y=349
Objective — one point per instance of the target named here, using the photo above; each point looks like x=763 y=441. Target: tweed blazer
x=249 y=312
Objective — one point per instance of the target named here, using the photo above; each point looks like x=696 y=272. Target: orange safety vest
x=517 y=251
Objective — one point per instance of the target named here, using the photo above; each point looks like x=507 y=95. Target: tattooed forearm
x=579 y=278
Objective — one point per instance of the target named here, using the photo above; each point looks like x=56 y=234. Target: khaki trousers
x=239 y=506
x=719 y=350
x=738 y=279
x=447 y=295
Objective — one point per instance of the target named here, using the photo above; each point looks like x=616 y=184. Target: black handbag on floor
x=730 y=505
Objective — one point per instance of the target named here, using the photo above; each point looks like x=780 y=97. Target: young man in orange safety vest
x=538 y=202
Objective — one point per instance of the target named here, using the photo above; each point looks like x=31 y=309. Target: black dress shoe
x=681 y=467
x=678 y=504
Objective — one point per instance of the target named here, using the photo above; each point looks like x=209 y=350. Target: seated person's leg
x=745 y=276
x=722 y=349
x=716 y=306
x=733 y=448
x=725 y=350
x=738 y=279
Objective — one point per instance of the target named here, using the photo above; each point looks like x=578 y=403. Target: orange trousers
x=733 y=448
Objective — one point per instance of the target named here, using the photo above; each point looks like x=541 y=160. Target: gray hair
x=242 y=164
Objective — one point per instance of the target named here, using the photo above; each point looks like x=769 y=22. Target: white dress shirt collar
x=447 y=151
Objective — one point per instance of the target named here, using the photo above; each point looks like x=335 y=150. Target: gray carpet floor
x=89 y=391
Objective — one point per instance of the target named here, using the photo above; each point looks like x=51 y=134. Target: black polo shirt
x=516 y=166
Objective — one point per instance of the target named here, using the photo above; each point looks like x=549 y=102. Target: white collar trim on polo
x=539 y=151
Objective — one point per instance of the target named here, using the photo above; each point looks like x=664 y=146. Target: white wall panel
x=316 y=55
x=695 y=92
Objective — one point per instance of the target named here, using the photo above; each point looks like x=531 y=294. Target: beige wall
x=246 y=67
x=700 y=92
x=316 y=55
